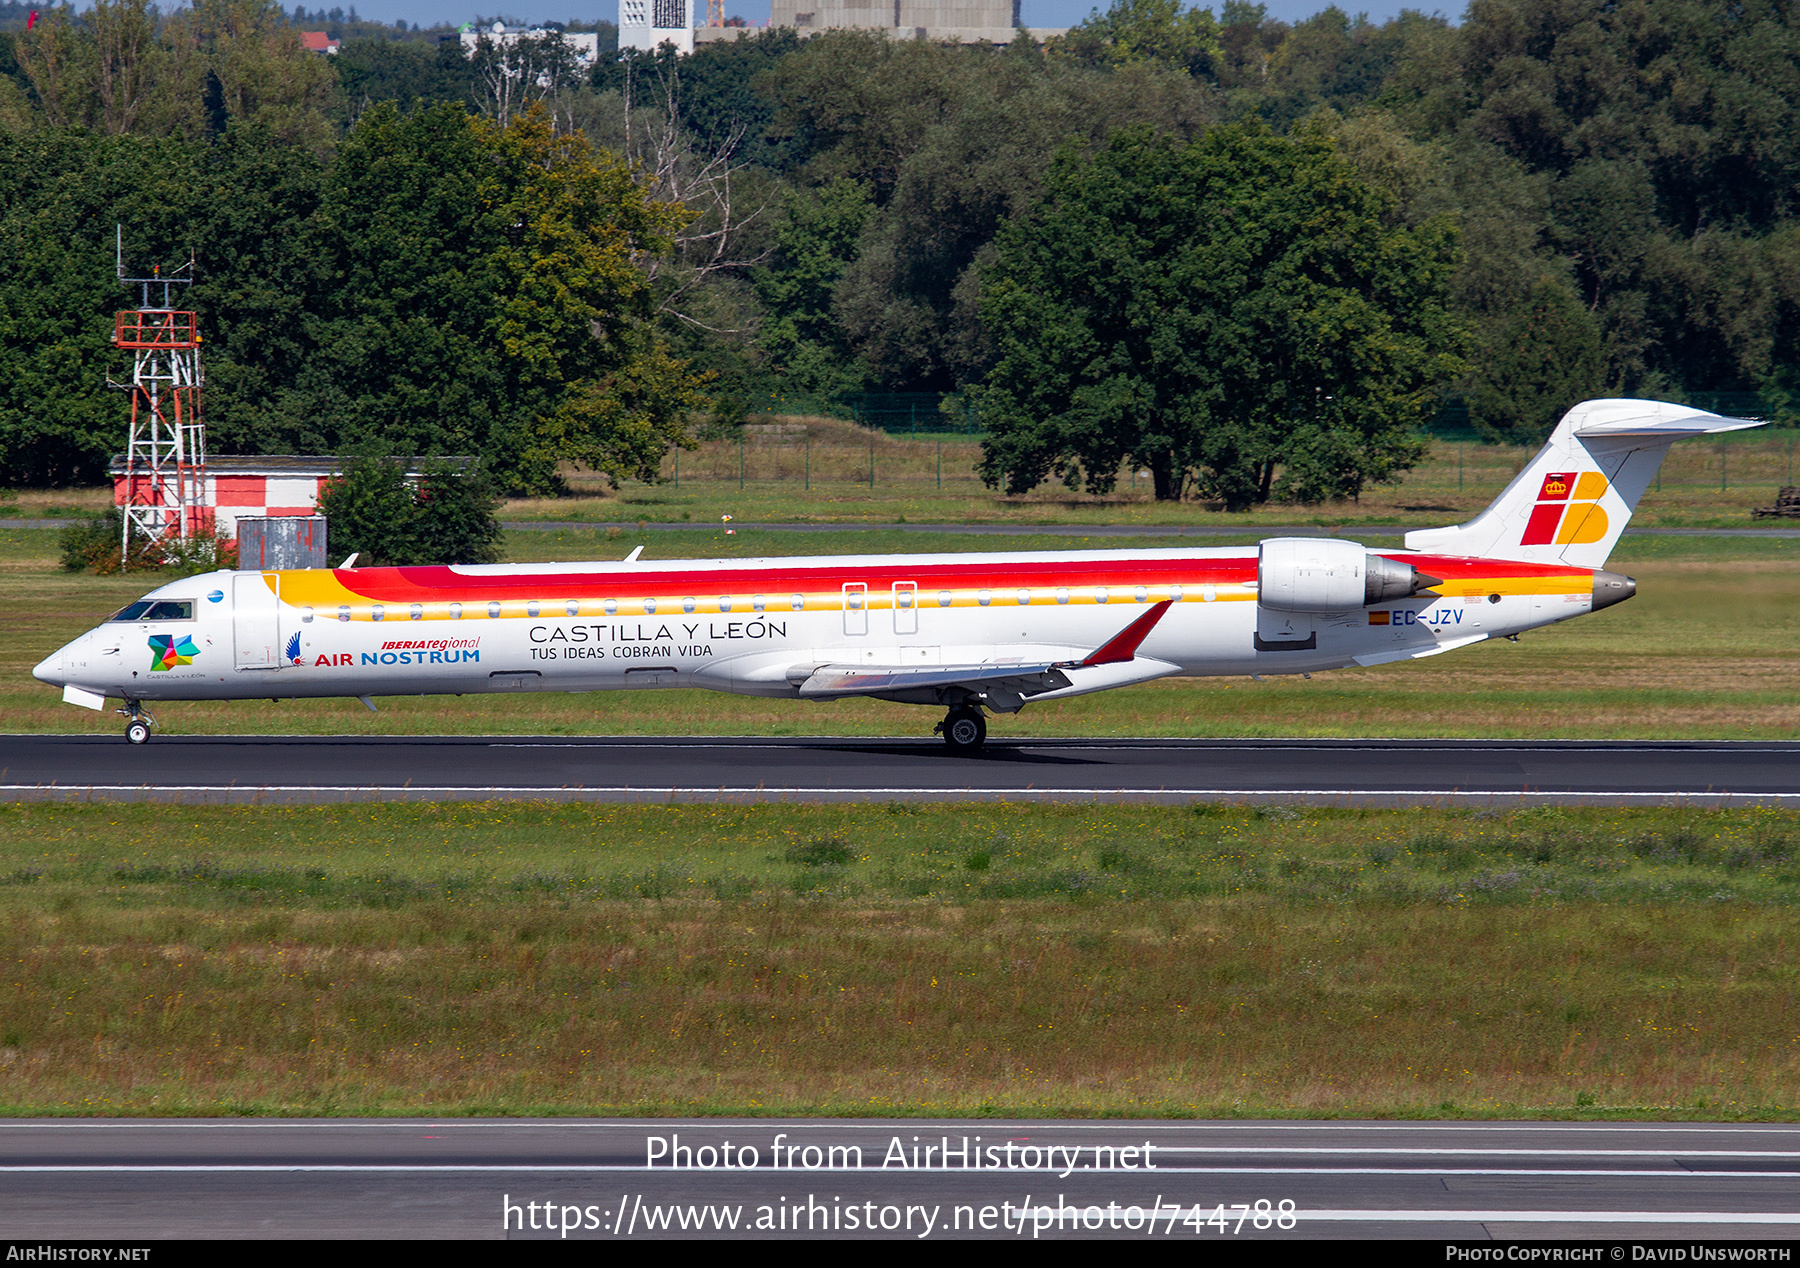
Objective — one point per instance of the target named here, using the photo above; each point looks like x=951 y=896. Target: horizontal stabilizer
x=1660 y=422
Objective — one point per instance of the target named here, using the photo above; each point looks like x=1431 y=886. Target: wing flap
x=865 y=680
x=1416 y=650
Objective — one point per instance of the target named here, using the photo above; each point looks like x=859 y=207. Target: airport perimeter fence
x=909 y=414
x=932 y=441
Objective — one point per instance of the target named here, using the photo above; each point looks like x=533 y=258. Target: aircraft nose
x=50 y=669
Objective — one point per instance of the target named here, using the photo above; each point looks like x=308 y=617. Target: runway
x=308 y=769
x=624 y=1179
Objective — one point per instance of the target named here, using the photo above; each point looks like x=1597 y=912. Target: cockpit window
x=157 y=610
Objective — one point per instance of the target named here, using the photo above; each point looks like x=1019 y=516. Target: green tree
x=484 y=294
x=370 y=513
x=949 y=144
x=404 y=72
x=1547 y=357
x=816 y=239
x=61 y=193
x=1160 y=32
x=377 y=512
x=1238 y=314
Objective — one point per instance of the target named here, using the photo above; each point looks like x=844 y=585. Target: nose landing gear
x=963 y=729
x=137 y=722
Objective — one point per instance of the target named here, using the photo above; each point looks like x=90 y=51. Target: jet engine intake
x=1323 y=574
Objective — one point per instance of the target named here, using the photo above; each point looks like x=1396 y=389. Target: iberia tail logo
x=1568 y=510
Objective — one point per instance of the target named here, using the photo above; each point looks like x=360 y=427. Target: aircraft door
x=256 y=621
x=856 y=607
x=906 y=607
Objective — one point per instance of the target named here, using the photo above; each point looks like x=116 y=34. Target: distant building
x=646 y=24
x=319 y=42
x=966 y=21
x=586 y=44
x=649 y=24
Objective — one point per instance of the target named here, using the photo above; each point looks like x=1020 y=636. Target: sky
x=1049 y=13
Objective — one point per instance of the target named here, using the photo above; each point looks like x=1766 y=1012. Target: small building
x=584 y=44
x=237 y=487
x=964 y=21
x=319 y=42
x=648 y=23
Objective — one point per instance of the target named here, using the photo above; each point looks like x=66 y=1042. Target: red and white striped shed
x=240 y=486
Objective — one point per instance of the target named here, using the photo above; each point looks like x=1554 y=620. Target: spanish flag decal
x=1568 y=510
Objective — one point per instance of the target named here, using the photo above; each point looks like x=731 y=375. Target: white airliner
x=965 y=633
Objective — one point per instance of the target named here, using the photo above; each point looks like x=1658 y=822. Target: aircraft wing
x=1001 y=683
x=869 y=680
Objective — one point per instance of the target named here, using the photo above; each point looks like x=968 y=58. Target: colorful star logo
x=170 y=650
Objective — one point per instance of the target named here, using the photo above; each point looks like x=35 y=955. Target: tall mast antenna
x=163 y=496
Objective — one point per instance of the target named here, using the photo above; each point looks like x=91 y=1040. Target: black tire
x=965 y=730
x=137 y=733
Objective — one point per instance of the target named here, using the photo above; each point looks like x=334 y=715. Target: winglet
x=1123 y=645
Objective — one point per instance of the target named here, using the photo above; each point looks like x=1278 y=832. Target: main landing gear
x=963 y=729
x=137 y=722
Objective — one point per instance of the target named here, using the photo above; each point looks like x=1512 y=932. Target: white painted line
x=1123 y=1127
x=1197 y=747
x=740 y=1173
x=1547 y=1217
x=1312 y=1150
x=768 y=790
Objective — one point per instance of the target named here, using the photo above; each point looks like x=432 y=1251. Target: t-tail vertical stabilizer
x=1569 y=505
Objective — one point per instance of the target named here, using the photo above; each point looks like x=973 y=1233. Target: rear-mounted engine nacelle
x=1322 y=574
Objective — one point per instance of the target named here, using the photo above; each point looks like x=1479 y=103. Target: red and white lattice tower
x=163 y=492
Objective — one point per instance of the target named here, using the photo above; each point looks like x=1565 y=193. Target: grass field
x=1710 y=647
x=997 y=960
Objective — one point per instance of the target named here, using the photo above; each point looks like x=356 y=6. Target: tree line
x=404 y=245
